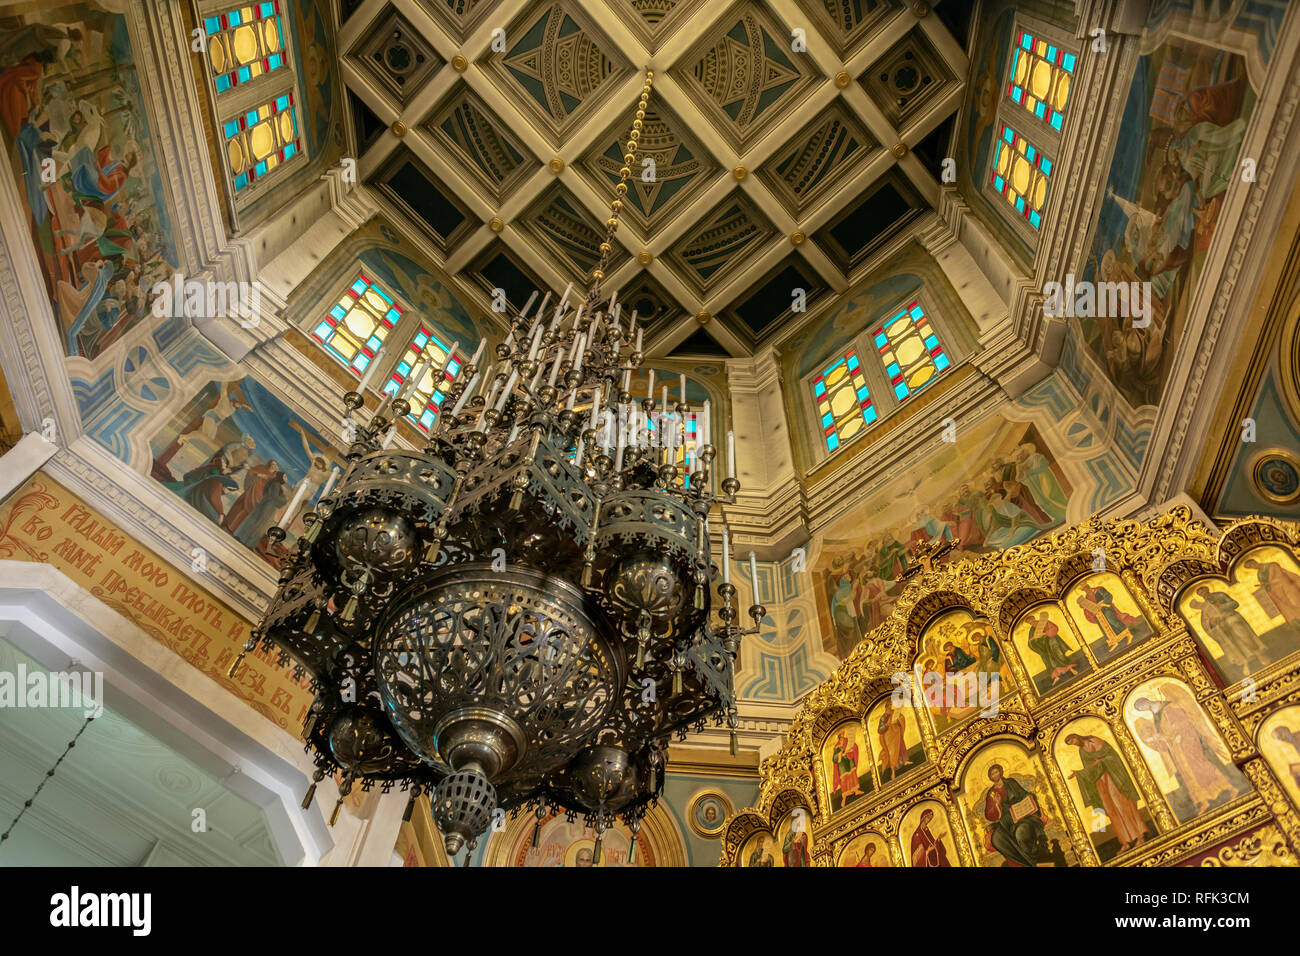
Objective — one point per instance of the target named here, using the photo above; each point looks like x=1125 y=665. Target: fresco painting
x=1189 y=760
x=896 y=740
x=1185 y=118
x=1012 y=813
x=967 y=653
x=235 y=453
x=865 y=849
x=1252 y=623
x=1279 y=741
x=1000 y=488
x=926 y=837
x=1049 y=649
x=846 y=763
x=1108 y=801
x=1106 y=614
x=83 y=157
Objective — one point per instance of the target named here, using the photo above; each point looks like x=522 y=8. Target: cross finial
x=927 y=555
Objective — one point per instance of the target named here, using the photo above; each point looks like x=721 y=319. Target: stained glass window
x=355 y=328
x=1040 y=78
x=910 y=351
x=1020 y=174
x=260 y=139
x=843 y=400
x=244 y=43
x=427 y=395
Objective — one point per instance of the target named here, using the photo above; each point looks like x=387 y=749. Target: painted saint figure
x=1105 y=784
x=927 y=849
x=761 y=856
x=1017 y=828
x=1189 y=752
x=844 y=768
x=1223 y=622
x=1119 y=627
x=1045 y=641
x=1279 y=589
x=794 y=848
x=893 y=748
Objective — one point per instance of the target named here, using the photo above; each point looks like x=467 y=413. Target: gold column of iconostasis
x=1121 y=693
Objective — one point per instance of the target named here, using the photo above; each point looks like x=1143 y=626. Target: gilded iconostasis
x=1031 y=581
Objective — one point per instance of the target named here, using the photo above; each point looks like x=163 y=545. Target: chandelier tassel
x=595 y=851
x=410 y=804
x=313 y=620
x=316 y=778
x=631 y=847
x=469 y=848
x=733 y=743
x=334 y=817
x=537 y=828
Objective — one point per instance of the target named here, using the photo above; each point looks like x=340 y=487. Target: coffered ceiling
x=793 y=141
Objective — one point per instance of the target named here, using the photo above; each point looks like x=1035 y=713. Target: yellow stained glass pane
x=1040 y=192
x=1020 y=175
x=261 y=140
x=910 y=351
x=1041 y=48
x=1022 y=67
x=255 y=69
x=842 y=400
x=236 y=155
x=1042 y=79
x=835 y=377
x=920 y=377
x=359 y=322
x=245 y=44
x=217 y=54
x=1062 y=94
x=271 y=36
x=375 y=301
x=850 y=427
x=1004 y=157
x=286 y=128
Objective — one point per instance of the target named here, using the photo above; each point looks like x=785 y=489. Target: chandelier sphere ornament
x=518 y=615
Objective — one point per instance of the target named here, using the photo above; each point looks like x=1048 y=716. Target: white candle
x=564 y=298
x=581 y=347
x=478 y=353
x=388 y=439
x=537 y=338
x=627 y=379
x=529 y=304
x=578 y=459
x=514 y=433
x=638 y=333
x=618 y=454
x=682 y=385
x=595 y=324
x=445 y=370
x=703 y=428
x=371 y=369
x=545 y=299
x=487 y=377
x=595 y=415
x=731 y=454
x=650 y=392
x=577 y=316
x=726 y=556
x=573 y=397
x=415 y=375
x=291 y=509
x=555 y=366
x=753 y=574
x=464 y=396
x=505 y=392
x=664 y=389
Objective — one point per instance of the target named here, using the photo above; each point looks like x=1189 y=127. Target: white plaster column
x=23 y=460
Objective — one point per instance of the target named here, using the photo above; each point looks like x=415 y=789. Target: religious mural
x=1049 y=649
x=1187 y=111
x=846 y=761
x=896 y=740
x=236 y=454
x=759 y=850
x=794 y=838
x=1111 y=806
x=1186 y=755
x=1252 y=623
x=926 y=837
x=865 y=849
x=1279 y=742
x=1106 y=614
x=966 y=653
x=998 y=488
x=84 y=159
x=562 y=843
x=1013 y=816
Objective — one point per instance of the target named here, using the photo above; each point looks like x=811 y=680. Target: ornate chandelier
x=519 y=614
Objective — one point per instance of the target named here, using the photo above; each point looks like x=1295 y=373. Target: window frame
x=404 y=331
x=1039 y=133
x=228 y=104
x=881 y=392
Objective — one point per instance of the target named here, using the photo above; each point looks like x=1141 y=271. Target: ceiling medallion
x=740 y=172
x=556 y=165
x=459 y=63
x=842 y=79
x=520 y=613
x=645 y=257
x=399 y=129
x=703 y=318
x=899 y=150
x=496 y=224
x=797 y=238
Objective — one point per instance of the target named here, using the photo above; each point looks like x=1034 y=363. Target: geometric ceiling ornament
x=819 y=158
x=479 y=142
x=653 y=21
x=907 y=77
x=395 y=55
x=408 y=185
x=746 y=73
x=789 y=288
x=569 y=232
x=497 y=269
x=680 y=168
x=848 y=24
x=558 y=61
x=877 y=215
x=721 y=241
x=459 y=16
x=655 y=307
